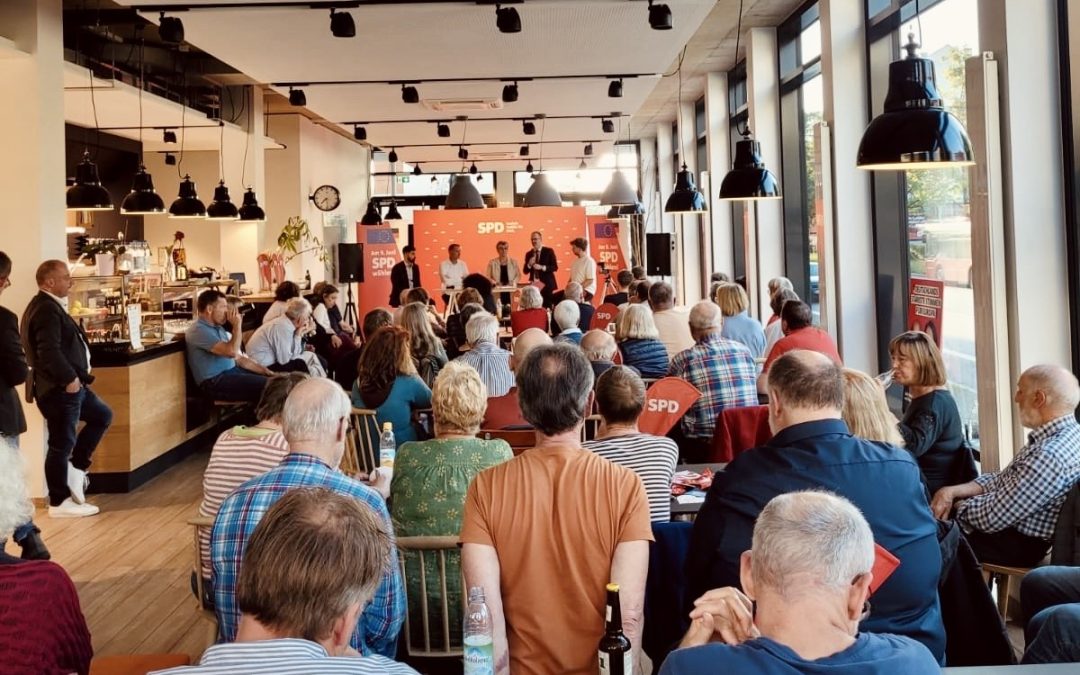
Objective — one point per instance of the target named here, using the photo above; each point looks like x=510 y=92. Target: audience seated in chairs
x=796 y=321
x=421 y=295
x=622 y=296
x=776 y=286
x=387 y=382
x=639 y=341
x=805 y=588
x=775 y=328
x=427 y=350
x=44 y=629
x=482 y=285
x=504 y=412
x=1051 y=600
x=279 y=344
x=599 y=347
x=428 y=492
x=638 y=293
x=314 y=566
x=866 y=410
x=566 y=317
x=336 y=340
x=671 y=321
x=1009 y=516
x=620 y=397
x=315 y=421
x=285 y=291
x=738 y=324
x=455 y=323
x=813 y=449
x=214 y=354
x=530 y=312
x=241 y=453
x=485 y=354
x=575 y=292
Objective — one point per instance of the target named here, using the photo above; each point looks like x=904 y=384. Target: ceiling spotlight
x=434 y=179
x=507 y=19
x=444 y=130
x=359 y=133
x=170 y=159
x=170 y=29
x=409 y=94
x=462 y=153
x=659 y=16
x=392 y=157
x=510 y=93
x=614 y=90
x=588 y=149
x=297 y=97
x=583 y=165
x=529 y=128
x=168 y=136
x=472 y=169
x=608 y=126
x=524 y=152
x=343 y=26
x=529 y=166
x=416 y=170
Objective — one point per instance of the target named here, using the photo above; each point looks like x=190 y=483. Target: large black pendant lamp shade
x=87 y=194
x=372 y=215
x=686 y=198
x=626 y=210
x=748 y=178
x=188 y=204
x=142 y=200
x=222 y=207
x=618 y=192
x=392 y=213
x=250 y=211
x=463 y=194
x=542 y=192
x=915 y=131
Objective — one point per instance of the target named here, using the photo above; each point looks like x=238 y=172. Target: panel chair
x=198 y=523
x=361 y=443
x=424 y=563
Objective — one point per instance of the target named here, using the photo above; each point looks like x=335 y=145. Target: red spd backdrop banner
x=924 y=307
x=606 y=250
x=381 y=253
x=478 y=230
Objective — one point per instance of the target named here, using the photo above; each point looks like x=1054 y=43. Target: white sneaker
x=70 y=509
x=77 y=482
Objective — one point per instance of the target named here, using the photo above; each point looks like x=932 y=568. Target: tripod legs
x=350 y=308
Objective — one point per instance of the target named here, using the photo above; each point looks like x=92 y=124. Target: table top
x=678 y=509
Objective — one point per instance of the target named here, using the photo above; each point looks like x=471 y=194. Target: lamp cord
x=745 y=133
x=678 y=110
x=247 y=136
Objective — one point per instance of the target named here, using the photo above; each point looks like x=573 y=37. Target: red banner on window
x=925 y=298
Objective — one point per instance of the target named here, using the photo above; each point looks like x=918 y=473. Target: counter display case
x=99 y=305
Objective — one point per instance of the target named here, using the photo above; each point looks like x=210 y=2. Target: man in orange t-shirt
x=796 y=319
x=545 y=532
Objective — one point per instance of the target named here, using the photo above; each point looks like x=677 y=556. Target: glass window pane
x=875 y=7
x=810 y=43
x=813 y=208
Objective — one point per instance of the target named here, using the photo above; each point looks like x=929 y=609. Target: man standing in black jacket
x=404 y=275
x=541 y=265
x=59 y=357
x=13 y=371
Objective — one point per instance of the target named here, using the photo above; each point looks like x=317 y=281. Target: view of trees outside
x=812 y=110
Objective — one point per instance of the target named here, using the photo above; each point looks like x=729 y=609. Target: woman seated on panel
x=530 y=312
x=738 y=324
x=503 y=271
x=428 y=353
x=431 y=478
x=866 y=411
x=387 y=383
x=639 y=341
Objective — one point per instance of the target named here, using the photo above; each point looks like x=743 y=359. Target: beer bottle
x=614 y=649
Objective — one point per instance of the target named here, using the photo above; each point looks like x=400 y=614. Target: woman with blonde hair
x=738 y=324
x=639 y=341
x=387 y=382
x=428 y=353
x=866 y=411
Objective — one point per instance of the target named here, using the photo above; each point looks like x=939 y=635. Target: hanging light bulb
x=87 y=194
x=188 y=204
x=250 y=211
x=143 y=199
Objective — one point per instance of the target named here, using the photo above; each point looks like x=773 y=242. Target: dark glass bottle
x=614 y=650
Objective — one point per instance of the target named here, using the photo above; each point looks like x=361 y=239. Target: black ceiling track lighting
x=297 y=97
x=659 y=16
x=443 y=130
x=168 y=136
x=524 y=152
x=614 y=89
x=409 y=94
x=392 y=157
x=170 y=29
x=359 y=133
x=342 y=24
x=416 y=170
x=451 y=80
x=528 y=128
x=588 y=149
x=608 y=126
x=507 y=19
x=462 y=153
x=472 y=169
x=510 y=93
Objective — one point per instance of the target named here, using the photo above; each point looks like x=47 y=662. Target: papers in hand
x=691 y=497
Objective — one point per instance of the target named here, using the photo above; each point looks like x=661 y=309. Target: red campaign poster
x=603 y=316
x=478 y=230
x=381 y=253
x=666 y=401
x=924 y=307
x=607 y=251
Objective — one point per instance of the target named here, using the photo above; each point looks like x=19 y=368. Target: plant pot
x=106 y=264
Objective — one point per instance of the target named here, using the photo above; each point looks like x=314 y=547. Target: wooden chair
x=426 y=548
x=1002 y=575
x=361 y=443
x=591 y=427
x=519 y=440
x=197 y=524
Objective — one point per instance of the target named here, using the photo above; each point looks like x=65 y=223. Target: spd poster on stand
x=381 y=253
x=925 y=298
x=606 y=250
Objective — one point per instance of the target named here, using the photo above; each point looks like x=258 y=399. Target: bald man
x=1009 y=516
x=599 y=347
x=504 y=412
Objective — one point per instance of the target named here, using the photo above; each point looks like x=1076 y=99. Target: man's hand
x=700 y=633
x=730 y=612
x=233 y=317
x=74 y=386
x=335 y=341
x=942 y=503
x=380 y=480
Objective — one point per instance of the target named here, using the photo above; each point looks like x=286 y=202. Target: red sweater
x=42 y=629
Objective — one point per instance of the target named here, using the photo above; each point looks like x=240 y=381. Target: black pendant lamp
x=392 y=213
x=618 y=192
x=222 y=207
x=542 y=192
x=87 y=194
x=250 y=211
x=463 y=194
x=143 y=199
x=188 y=204
x=686 y=198
x=372 y=215
x=915 y=131
x=748 y=178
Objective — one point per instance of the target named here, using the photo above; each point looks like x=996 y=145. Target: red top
x=523 y=319
x=42 y=628
x=810 y=338
x=504 y=412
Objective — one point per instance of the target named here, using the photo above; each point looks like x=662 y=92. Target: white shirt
x=773 y=332
x=452 y=273
x=410 y=273
x=674 y=328
x=583 y=271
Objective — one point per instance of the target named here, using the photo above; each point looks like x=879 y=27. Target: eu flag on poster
x=380 y=236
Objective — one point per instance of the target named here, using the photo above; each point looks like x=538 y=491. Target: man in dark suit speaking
x=541 y=265
x=404 y=275
x=59 y=358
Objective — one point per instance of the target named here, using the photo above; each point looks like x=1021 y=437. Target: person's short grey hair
x=636 y=322
x=554 y=382
x=574 y=291
x=706 y=316
x=598 y=345
x=531 y=298
x=1058 y=385
x=15 y=506
x=482 y=327
x=313 y=410
x=810 y=538
x=297 y=308
x=567 y=314
x=777 y=284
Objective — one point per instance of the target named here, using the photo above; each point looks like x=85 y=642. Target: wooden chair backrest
x=426 y=547
x=519 y=440
x=361 y=451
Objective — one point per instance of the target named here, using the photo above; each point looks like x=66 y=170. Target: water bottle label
x=479 y=658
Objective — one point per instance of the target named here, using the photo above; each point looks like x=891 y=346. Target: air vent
x=492 y=155
x=462 y=104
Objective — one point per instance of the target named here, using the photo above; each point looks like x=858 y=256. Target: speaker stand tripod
x=350 y=308
x=610 y=287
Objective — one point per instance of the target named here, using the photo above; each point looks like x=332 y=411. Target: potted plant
x=295 y=239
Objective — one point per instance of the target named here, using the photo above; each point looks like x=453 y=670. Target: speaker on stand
x=350 y=270
x=658 y=254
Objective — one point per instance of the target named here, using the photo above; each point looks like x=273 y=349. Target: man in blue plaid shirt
x=722 y=370
x=315 y=420
x=1009 y=516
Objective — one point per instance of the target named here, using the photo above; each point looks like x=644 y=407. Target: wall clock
x=326 y=198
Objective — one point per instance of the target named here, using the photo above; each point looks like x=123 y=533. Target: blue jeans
x=63 y=412
x=26 y=529
x=235 y=384
x=1050 y=597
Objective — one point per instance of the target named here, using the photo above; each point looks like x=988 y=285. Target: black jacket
x=546 y=257
x=399 y=280
x=55 y=346
x=13 y=371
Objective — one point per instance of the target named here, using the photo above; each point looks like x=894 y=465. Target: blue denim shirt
x=199 y=339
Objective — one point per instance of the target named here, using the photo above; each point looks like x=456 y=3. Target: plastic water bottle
x=479 y=636
x=387 y=450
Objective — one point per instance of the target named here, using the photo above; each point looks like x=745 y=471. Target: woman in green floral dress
x=427 y=495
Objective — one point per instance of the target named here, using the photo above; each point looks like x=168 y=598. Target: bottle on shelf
x=479 y=639
x=616 y=657
x=387 y=450
x=307 y=279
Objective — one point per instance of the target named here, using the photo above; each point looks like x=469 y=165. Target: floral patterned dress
x=427 y=498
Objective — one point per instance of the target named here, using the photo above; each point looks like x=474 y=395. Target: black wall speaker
x=350 y=263
x=658 y=254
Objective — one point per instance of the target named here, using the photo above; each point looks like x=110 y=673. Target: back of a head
x=807 y=380
x=297 y=308
x=530 y=298
x=482 y=327
x=639 y=291
x=781 y=298
x=313 y=411
x=530 y=339
x=866 y=411
x=636 y=322
x=620 y=395
x=661 y=295
x=567 y=314
x=598 y=345
x=705 y=317
x=796 y=314
x=47 y=269
x=731 y=298
x=574 y=291
x=286 y=290
x=638 y=271
x=458 y=399
x=624 y=277
x=469 y=296
x=554 y=382
x=478 y=281
x=466 y=313
x=5 y=264
x=809 y=541
x=417 y=295
x=324 y=290
x=275 y=393
x=374 y=320
x=720 y=277
x=313 y=555
x=777 y=284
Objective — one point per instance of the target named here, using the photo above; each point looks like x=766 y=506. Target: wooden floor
x=131 y=565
